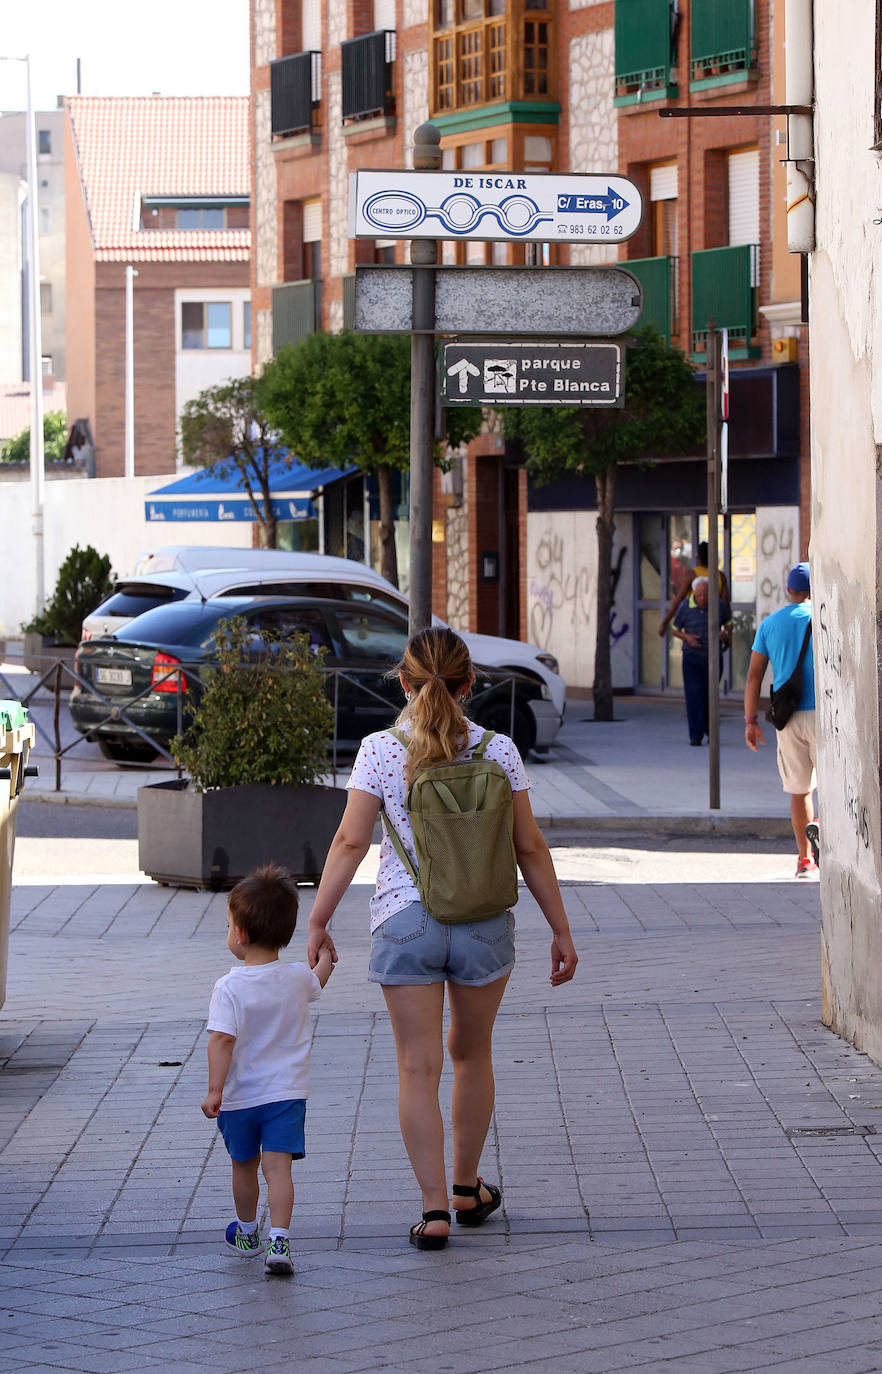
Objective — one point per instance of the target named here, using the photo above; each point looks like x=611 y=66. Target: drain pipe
x=800 y=159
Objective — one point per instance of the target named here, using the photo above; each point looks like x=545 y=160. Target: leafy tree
x=84 y=580
x=224 y=429
x=344 y=399
x=664 y=413
x=18 y=450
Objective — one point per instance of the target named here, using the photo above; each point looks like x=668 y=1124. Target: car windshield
x=131 y=599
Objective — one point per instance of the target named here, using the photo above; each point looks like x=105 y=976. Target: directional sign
x=539 y=374
x=493 y=205
x=580 y=302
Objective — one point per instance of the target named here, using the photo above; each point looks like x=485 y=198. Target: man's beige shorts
x=796 y=753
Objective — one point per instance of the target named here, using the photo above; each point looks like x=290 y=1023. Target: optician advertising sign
x=509 y=206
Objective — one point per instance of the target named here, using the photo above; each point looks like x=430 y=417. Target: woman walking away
x=413 y=954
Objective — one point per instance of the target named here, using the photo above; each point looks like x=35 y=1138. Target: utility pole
x=424 y=258
x=713 y=562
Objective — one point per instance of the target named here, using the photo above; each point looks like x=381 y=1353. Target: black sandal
x=473 y=1216
x=424 y=1242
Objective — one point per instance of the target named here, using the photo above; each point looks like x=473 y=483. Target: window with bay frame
x=485 y=51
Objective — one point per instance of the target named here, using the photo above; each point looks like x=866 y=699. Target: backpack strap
x=399 y=848
x=481 y=746
x=400 y=736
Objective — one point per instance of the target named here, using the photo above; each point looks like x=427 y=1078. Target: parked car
x=139 y=669
x=181 y=572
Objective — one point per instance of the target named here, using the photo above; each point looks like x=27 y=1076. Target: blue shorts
x=275 y=1126
x=411 y=947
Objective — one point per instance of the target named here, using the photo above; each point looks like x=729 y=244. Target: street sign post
x=509 y=206
x=537 y=373
x=581 y=302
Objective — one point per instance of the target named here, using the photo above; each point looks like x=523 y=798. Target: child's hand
x=324 y=965
x=211 y=1105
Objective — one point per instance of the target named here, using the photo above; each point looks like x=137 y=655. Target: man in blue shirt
x=690 y=626
x=778 y=641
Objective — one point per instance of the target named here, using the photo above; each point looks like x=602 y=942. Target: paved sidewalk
x=691 y=1172
x=614 y=774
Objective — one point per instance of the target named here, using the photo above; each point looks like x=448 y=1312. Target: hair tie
x=440 y=676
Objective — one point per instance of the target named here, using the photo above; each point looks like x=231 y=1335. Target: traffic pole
x=713 y=563
x=424 y=258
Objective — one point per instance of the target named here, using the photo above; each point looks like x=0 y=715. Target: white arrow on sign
x=463 y=369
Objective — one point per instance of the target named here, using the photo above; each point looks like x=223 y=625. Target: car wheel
x=498 y=717
x=122 y=752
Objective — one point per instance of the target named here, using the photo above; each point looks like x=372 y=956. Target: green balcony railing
x=644 y=58
x=296 y=312
x=349 y=300
x=658 y=277
x=723 y=39
x=724 y=288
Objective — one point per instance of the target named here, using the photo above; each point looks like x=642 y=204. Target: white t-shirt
x=265 y=1007
x=379 y=769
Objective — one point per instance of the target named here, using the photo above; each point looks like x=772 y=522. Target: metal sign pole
x=424 y=257
x=713 y=563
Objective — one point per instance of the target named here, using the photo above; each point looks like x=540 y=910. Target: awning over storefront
x=209 y=495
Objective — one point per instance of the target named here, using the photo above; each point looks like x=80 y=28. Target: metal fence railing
x=60 y=676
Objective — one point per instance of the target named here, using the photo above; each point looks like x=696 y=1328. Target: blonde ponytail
x=437 y=669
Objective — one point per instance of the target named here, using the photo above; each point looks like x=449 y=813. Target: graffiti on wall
x=829 y=706
x=777 y=549
x=557 y=596
x=616 y=631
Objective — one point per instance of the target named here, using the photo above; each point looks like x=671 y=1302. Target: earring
x=408 y=696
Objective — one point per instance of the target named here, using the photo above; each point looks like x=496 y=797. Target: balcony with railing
x=724 y=288
x=658 y=278
x=645 y=64
x=723 y=47
x=295 y=94
x=368 y=67
x=297 y=312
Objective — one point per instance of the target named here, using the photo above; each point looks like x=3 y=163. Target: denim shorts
x=274 y=1126
x=411 y=947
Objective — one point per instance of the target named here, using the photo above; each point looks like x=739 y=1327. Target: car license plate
x=114 y=677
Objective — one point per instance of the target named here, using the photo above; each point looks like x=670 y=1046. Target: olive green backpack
x=462 y=818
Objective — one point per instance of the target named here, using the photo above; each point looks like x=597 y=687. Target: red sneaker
x=806 y=868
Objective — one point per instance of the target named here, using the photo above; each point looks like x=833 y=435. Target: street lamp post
x=35 y=346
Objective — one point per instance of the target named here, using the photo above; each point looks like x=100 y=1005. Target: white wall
x=10 y=277
x=198 y=368
x=562 y=594
x=846 y=389
x=107 y=513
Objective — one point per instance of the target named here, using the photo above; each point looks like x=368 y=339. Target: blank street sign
x=577 y=302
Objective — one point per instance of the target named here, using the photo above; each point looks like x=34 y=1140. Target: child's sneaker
x=245 y=1243
x=278 y=1257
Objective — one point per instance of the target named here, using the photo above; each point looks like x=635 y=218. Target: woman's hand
x=319 y=939
x=563 y=959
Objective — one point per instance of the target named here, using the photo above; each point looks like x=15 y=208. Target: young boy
x=258 y=1058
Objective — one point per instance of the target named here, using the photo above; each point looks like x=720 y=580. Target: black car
x=141 y=670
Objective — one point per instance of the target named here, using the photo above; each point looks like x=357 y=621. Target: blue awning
x=211 y=495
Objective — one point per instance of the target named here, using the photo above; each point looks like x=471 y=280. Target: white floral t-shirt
x=379 y=769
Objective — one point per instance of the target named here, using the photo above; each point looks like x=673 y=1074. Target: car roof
x=274 y=562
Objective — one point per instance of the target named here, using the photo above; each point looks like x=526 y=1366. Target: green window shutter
x=294 y=312
x=656 y=276
x=722 y=288
x=723 y=38
x=643 y=45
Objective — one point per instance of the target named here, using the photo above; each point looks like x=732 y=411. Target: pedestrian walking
x=784 y=640
x=685 y=583
x=690 y=626
x=258 y=1058
x=414 y=954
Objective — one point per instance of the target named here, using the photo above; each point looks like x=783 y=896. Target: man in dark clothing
x=690 y=626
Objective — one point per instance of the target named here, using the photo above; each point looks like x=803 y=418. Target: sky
x=176 y=47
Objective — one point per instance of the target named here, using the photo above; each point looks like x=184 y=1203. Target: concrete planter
x=40 y=652
x=212 y=839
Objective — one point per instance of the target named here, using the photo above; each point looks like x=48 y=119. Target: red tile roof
x=133 y=146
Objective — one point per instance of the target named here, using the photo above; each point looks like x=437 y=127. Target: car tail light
x=163 y=679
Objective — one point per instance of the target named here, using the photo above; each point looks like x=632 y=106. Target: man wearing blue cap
x=779 y=641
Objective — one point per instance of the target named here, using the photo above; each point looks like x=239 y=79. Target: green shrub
x=84 y=580
x=261 y=718
x=18 y=450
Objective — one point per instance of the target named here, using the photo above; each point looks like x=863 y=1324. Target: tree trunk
x=606 y=495
x=388 y=552
x=266 y=524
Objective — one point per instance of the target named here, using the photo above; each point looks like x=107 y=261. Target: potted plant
x=256 y=749
x=84 y=580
